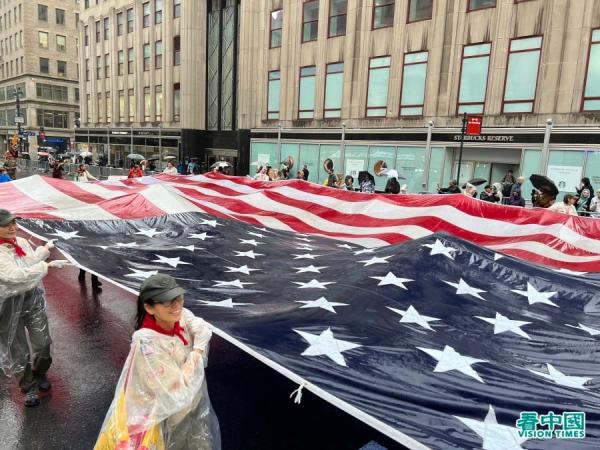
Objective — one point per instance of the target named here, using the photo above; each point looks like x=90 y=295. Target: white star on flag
x=306 y=247
x=173 y=262
x=249 y=254
x=564 y=380
x=570 y=272
x=305 y=256
x=326 y=344
x=535 y=296
x=376 y=260
x=462 y=288
x=321 y=302
x=242 y=269
x=250 y=242
x=191 y=248
x=502 y=324
x=212 y=223
x=438 y=248
x=392 y=279
x=310 y=268
x=449 y=359
x=411 y=315
x=126 y=244
x=587 y=329
x=363 y=251
x=202 y=236
x=234 y=283
x=66 y=235
x=313 y=284
x=229 y=303
x=252 y=233
x=498 y=256
x=141 y=274
x=303 y=239
x=150 y=232
x=349 y=247
x=494 y=435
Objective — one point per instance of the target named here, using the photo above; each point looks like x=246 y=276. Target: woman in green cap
x=161 y=401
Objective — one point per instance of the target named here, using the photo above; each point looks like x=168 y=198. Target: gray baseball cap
x=6 y=217
x=160 y=288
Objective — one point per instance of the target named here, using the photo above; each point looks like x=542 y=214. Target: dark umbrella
x=544 y=184
x=477 y=181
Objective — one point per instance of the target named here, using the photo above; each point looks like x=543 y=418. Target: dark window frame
x=367 y=107
x=469 y=9
x=146 y=17
x=385 y=5
x=120 y=24
x=422 y=105
x=269 y=79
x=271 y=29
x=325 y=110
x=177 y=50
x=417 y=20
x=304 y=3
x=300 y=76
x=487 y=79
x=537 y=78
x=130 y=20
x=330 y=17
x=585 y=77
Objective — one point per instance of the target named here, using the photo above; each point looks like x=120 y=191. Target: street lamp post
x=462 y=143
x=279 y=141
x=427 y=157
x=546 y=148
x=343 y=147
x=18 y=118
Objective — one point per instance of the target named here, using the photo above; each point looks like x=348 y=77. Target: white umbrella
x=169 y=157
x=220 y=164
x=135 y=156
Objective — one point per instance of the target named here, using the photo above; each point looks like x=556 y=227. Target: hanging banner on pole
x=474 y=125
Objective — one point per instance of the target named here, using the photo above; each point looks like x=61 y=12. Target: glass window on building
x=309 y=158
x=100 y=108
x=306 y=101
x=273 y=94
x=310 y=20
x=420 y=10
x=383 y=153
x=176 y=8
x=289 y=151
x=98 y=31
x=338 y=9
x=158 y=10
x=176 y=102
x=42 y=39
x=130 y=20
x=332 y=152
x=264 y=153
x=52 y=119
x=146 y=57
x=176 y=50
x=106 y=28
x=89 y=108
x=130 y=93
x=61 y=68
x=158 y=54
x=130 y=61
x=44 y=65
x=121 y=61
x=120 y=24
x=108 y=107
x=146 y=14
x=481 y=4
x=60 y=16
x=98 y=67
x=147 y=104
x=86 y=35
x=42 y=13
x=414 y=77
x=276 y=28
x=107 y=65
x=522 y=75
x=383 y=13
x=61 y=43
x=473 y=78
x=158 y=99
x=355 y=160
x=2 y=94
x=121 y=106
x=377 y=87
x=592 y=169
x=87 y=70
x=409 y=164
x=334 y=88
x=76 y=94
x=591 y=98
x=570 y=164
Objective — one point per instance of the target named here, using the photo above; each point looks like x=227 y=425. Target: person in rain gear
x=22 y=310
x=161 y=400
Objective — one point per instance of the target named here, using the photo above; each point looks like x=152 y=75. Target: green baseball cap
x=160 y=288
x=6 y=217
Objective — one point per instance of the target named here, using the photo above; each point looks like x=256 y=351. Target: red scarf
x=177 y=330
x=18 y=249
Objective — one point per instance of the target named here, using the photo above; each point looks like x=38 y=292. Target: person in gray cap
x=22 y=309
x=161 y=399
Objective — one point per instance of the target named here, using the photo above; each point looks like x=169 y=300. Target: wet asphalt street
x=91 y=334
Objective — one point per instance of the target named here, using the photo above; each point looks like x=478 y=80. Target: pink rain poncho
x=161 y=400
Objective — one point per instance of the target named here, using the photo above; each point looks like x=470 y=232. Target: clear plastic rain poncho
x=20 y=284
x=161 y=400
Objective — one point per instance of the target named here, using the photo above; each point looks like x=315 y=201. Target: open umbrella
x=152 y=159
x=544 y=184
x=43 y=153
x=135 y=156
x=220 y=164
x=85 y=153
x=168 y=157
x=477 y=181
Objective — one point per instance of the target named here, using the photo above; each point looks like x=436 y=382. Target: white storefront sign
x=353 y=166
x=566 y=178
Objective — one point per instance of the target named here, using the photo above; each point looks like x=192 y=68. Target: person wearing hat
x=470 y=190
x=161 y=399
x=22 y=309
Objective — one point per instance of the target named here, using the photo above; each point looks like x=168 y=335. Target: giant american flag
x=420 y=331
